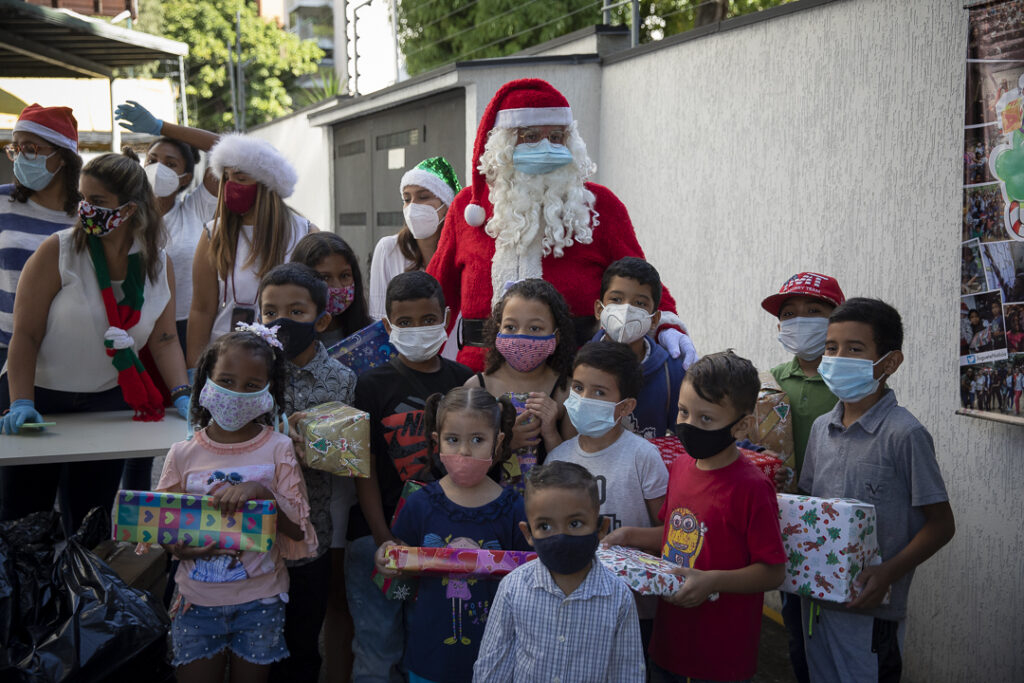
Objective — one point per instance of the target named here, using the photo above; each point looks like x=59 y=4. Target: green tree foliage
x=274 y=59
x=436 y=32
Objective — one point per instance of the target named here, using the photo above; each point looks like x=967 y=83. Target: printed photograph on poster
x=972 y=270
x=993 y=387
x=983 y=214
x=982 y=328
x=978 y=144
x=1004 y=268
x=1014 y=316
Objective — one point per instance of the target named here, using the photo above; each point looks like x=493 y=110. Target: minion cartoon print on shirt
x=684 y=539
x=458 y=587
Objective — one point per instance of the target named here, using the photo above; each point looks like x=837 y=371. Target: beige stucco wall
x=830 y=140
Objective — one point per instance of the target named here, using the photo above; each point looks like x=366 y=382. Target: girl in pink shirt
x=230 y=605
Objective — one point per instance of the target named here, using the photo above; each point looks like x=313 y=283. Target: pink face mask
x=340 y=298
x=465 y=472
x=524 y=352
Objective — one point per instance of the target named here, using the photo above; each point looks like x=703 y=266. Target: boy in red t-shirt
x=721 y=525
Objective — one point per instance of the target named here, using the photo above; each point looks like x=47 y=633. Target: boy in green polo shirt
x=802 y=306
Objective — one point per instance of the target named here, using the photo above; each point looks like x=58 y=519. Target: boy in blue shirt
x=628 y=311
x=872 y=449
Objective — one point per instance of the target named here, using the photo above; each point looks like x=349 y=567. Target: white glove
x=678 y=344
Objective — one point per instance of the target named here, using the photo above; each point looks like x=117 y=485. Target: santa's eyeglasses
x=556 y=135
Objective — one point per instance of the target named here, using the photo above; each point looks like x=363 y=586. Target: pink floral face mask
x=340 y=298
x=525 y=352
x=233 y=410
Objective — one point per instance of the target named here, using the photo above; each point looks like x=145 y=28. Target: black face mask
x=294 y=336
x=704 y=443
x=565 y=554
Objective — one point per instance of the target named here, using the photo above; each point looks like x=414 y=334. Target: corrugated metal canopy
x=42 y=42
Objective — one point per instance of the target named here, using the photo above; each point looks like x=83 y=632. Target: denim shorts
x=253 y=631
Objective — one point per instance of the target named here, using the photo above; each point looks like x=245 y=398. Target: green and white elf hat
x=435 y=174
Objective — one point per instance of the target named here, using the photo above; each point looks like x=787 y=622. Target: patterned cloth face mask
x=340 y=298
x=232 y=410
x=524 y=352
x=99 y=220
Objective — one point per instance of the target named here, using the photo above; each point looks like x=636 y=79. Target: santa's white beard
x=535 y=215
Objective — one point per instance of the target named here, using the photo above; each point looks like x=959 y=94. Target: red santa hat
x=56 y=125
x=517 y=104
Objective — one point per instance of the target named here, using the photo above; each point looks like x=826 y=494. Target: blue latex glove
x=678 y=344
x=136 y=118
x=23 y=410
x=181 y=404
x=191 y=372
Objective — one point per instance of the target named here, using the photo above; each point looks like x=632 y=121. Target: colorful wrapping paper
x=470 y=562
x=767 y=462
x=669 y=449
x=399 y=587
x=644 y=574
x=169 y=518
x=828 y=541
x=775 y=422
x=367 y=348
x=337 y=439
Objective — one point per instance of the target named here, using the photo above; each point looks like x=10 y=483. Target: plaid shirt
x=535 y=633
x=321 y=380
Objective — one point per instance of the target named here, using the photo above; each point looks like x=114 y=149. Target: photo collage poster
x=992 y=233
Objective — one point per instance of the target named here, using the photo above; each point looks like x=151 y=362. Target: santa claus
x=530 y=213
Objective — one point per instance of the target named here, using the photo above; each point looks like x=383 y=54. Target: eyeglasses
x=556 y=136
x=29 y=149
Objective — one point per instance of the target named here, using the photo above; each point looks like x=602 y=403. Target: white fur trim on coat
x=258 y=158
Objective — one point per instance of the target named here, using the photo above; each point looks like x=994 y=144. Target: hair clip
x=267 y=334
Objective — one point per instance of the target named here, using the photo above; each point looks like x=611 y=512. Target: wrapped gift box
x=337 y=439
x=644 y=574
x=670 y=449
x=775 y=421
x=469 y=562
x=828 y=541
x=367 y=348
x=169 y=518
x=767 y=462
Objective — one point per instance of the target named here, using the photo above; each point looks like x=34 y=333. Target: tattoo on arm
x=166 y=337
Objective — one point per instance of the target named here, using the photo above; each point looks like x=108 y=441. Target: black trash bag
x=64 y=614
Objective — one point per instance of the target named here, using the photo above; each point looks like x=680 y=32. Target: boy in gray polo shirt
x=872 y=449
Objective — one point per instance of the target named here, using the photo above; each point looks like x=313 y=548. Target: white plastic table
x=92 y=436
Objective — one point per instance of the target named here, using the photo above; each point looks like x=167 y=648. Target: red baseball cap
x=814 y=285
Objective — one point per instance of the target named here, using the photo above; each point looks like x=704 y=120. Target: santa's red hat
x=517 y=104
x=56 y=125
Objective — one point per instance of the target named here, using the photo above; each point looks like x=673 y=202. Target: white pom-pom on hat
x=475 y=215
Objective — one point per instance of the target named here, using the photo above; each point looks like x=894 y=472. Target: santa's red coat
x=462 y=263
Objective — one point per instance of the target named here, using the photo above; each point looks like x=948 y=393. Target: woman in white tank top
x=252 y=231
x=59 y=361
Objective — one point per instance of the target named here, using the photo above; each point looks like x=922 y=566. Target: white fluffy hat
x=258 y=158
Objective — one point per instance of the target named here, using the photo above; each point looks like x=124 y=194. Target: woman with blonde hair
x=88 y=298
x=252 y=231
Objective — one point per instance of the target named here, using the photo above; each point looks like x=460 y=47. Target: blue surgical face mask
x=590 y=416
x=32 y=173
x=538 y=158
x=850 y=379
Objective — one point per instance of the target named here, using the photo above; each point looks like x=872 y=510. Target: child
x=632 y=478
x=394 y=395
x=292 y=299
x=334 y=260
x=566 y=617
x=872 y=449
x=628 y=311
x=531 y=341
x=802 y=306
x=229 y=600
x=464 y=509
x=721 y=525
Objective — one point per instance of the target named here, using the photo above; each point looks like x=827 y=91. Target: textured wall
x=830 y=140
x=308 y=149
